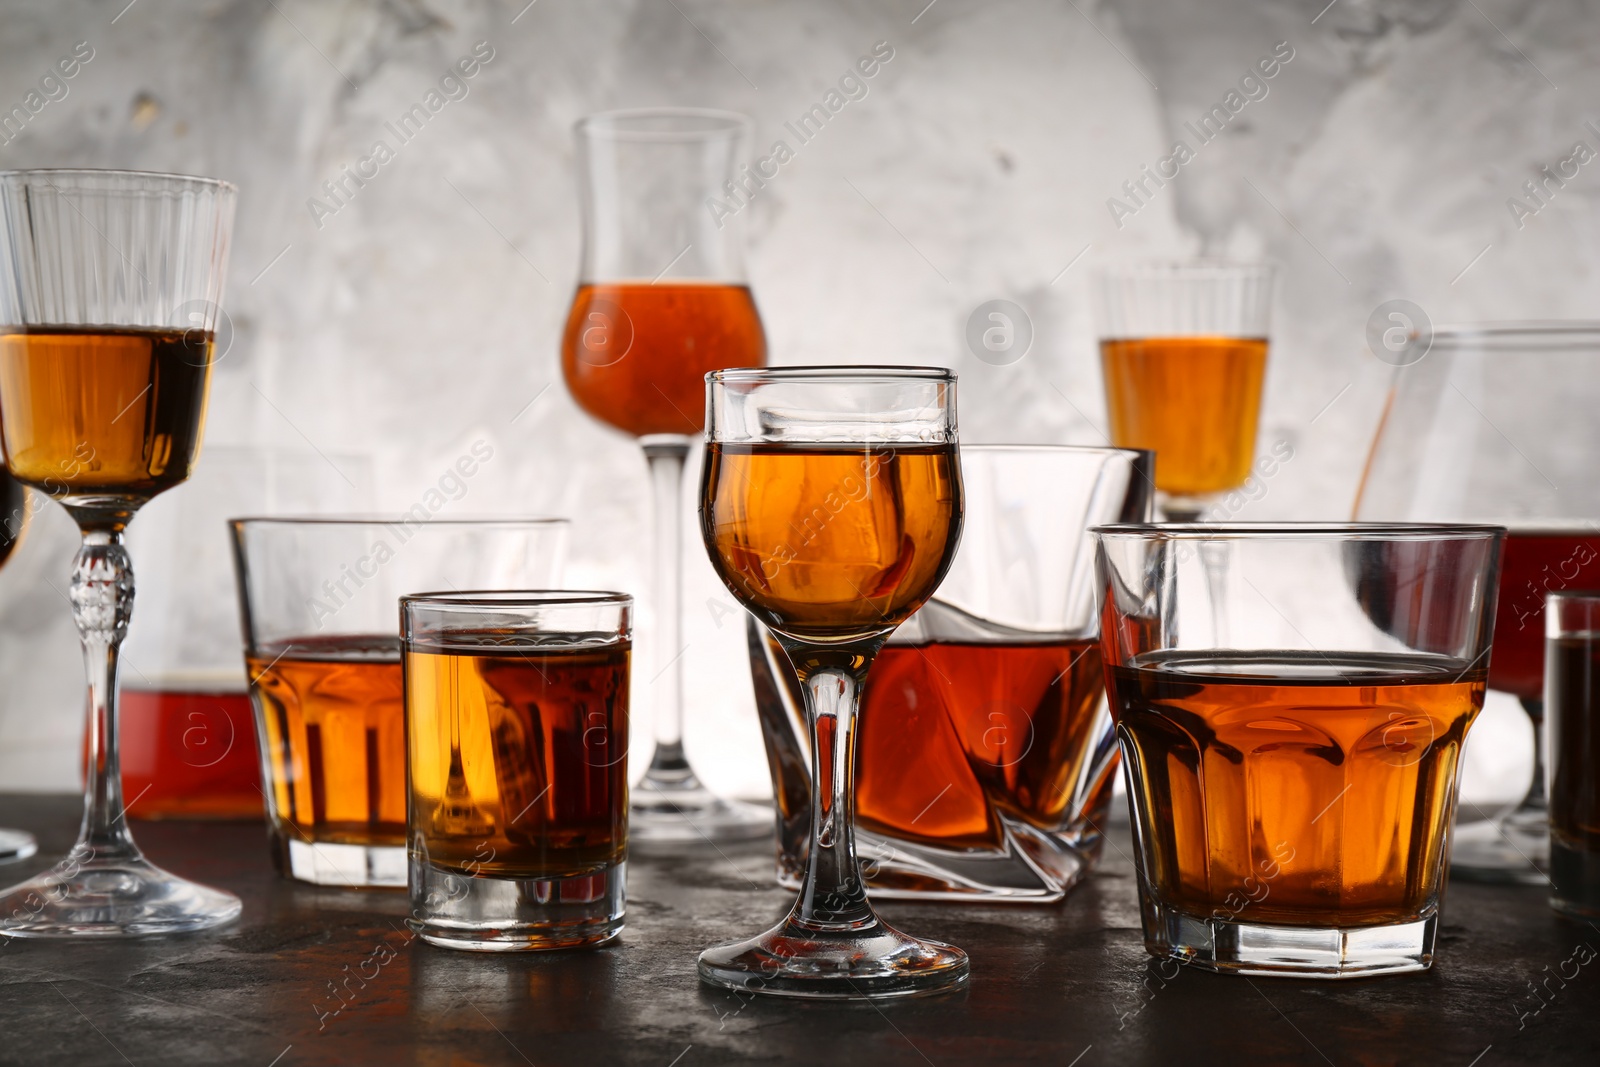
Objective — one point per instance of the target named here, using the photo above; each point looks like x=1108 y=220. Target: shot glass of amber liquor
x=1292 y=733
x=1572 y=723
x=318 y=599
x=517 y=741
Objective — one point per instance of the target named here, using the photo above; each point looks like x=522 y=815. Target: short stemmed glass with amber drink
x=1183 y=350
x=1292 y=784
x=831 y=507
x=662 y=299
x=109 y=291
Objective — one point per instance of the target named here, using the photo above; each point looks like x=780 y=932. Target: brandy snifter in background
x=1292 y=785
x=1183 y=350
x=109 y=293
x=319 y=598
x=517 y=735
x=662 y=299
x=831 y=505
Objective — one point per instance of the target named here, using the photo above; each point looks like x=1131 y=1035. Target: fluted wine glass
x=1495 y=423
x=109 y=295
x=831 y=507
x=662 y=299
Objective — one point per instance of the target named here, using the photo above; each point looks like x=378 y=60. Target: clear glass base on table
x=121 y=895
x=16 y=845
x=335 y=863
x=1273 y=950
x=549 y=913
x=1512 y=849
x=669 y=807
x=835 y=961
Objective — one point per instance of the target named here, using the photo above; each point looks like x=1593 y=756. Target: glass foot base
x=16 y=845
x=126 y=896
x=1513 y=850
x=328 y=863
x=672 y=815
x=496 y=914
x=1289 y=951
x=873 y=962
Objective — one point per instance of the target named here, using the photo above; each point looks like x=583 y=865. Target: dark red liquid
x=189 y=755
x=1572 y=713
x=1535 y=562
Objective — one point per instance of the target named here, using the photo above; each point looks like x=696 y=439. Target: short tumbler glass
x=319 y=598
x=1572 y=769
x=517 y=748
x=1291 y=701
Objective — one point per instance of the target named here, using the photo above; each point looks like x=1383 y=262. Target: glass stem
x=834 y=895
x=102 y=603
x=669 y=768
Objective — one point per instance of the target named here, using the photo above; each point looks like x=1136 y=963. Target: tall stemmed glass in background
x=109 y=292
x=662 y=300
x=1495 y=422
x=15 y=507
x=831 y=507
x=1183 y=350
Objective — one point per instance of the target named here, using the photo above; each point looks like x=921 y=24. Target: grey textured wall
x=425 y=313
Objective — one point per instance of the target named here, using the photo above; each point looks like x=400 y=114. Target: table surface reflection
x=325 y=976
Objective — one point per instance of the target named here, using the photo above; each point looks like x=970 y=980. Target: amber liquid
x=1195 y=401
x=1572 y=712
x=826 y=541
x=1292 y=787
x=102 y=411
x=189 y=754
x=334 y=724
x=952 y=734
x=1534 y=562
x=519 y=761
x=635 y=355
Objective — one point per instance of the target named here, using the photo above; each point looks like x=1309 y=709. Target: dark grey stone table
x=1068 y=985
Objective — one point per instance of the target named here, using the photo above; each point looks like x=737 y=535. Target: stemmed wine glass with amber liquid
x=662 y=299
x=831 y=506
x=109 y=293
x=1183 y=350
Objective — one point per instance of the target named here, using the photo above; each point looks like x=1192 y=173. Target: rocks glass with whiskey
x=320 y=600
x=109 y=292
x=517 y=740
x=1183 y=351
x=1494 y=423
x=662 y=299
x=831 y=506
x=985 y=757
x=1292 y=737
x=1572 y=713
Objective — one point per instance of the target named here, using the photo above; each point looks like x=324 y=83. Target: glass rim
x=886 y=373
x=1054 y=450
x=385 y=519
x=1294 y=531
x=612 y=125
x=1175 y=267
x=117 y=172
x=1511 y=332
x=1572 y=594
x=480 y=599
